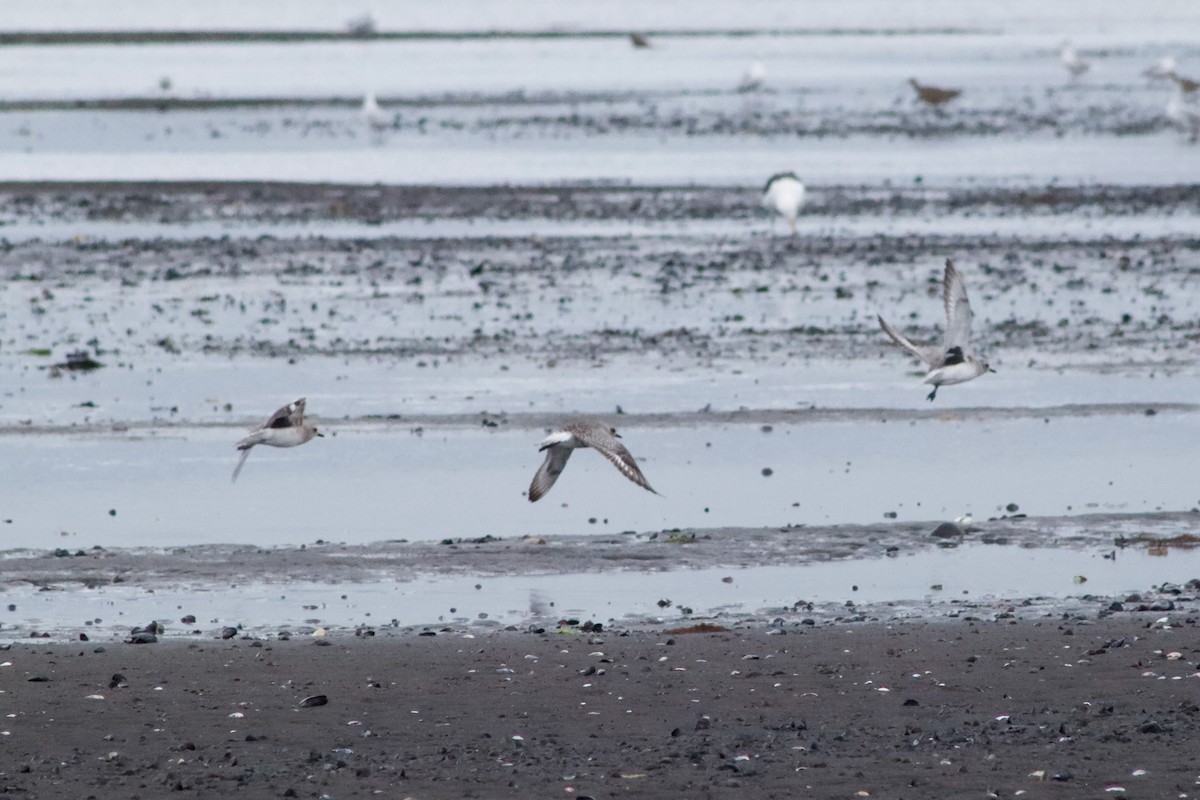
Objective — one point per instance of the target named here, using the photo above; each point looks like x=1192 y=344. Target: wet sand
x=1048 y=705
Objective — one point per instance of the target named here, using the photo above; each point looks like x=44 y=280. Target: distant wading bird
x=785 y=193
x=952 y=362
x=933 y=95
x=1186 y=85
x=1075 y=64
x=754 y=78
x=285 y=428
x=375 y=117
x=1162 y=69
x=1183 y=115
x=572 y=436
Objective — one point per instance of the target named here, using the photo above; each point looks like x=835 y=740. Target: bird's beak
x=991 y=370
x=618 y=435
x=320 y=434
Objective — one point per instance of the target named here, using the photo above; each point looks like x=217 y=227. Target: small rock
x=948 y=530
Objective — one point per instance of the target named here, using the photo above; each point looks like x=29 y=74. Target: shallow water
x=362 y=485
x=979 y=579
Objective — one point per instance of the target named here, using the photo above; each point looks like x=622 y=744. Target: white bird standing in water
x=1075 y=64
x=785 y=193
x=952 y=362
x=285 y=428
x=375 y=117
x=754 y=78
x=573 y=436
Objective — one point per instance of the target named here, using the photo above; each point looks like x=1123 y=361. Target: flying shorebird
x=638 y=40
x=950 y=363
x=785 y=193
x=285 y=428
x=376 y=118
x=932 y=95
x=754 y=78
x=1075 y=64
x=572 y=436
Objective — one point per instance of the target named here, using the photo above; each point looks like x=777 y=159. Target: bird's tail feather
x=241 y=462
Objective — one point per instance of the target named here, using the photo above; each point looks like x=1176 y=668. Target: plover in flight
x=952 y=362
x=1075 y=64
x=376 y=118
x=285 y=428
x=933 y=95
x=572 y=436
x=754 y=78
x=785 y=193
x=638 y=40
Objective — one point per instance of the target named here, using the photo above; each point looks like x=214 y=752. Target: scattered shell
x=314 y=700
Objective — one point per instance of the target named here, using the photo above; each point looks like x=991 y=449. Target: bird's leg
x=792 y=225
x=932 y=394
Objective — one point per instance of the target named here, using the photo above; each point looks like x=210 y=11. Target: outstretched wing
x=547 y=474
x=290 y=416
x=929 y=355
x=958 y=309
x=608 y=446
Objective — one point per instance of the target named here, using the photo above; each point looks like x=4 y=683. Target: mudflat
x=1045 y=706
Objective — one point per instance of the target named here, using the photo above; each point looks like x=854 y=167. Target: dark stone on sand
x=767 y=472
x=948 y=530
x=1012 y=508
x=188 y=619
x=142 y=637
x=118 y=681
x=228 y=633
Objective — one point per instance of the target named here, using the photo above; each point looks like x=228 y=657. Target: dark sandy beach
x=1046 y=706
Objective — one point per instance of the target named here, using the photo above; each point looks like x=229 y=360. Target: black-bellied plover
x=285 y=428
x=572 y=436
x=952 y=362
x=785 y=193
